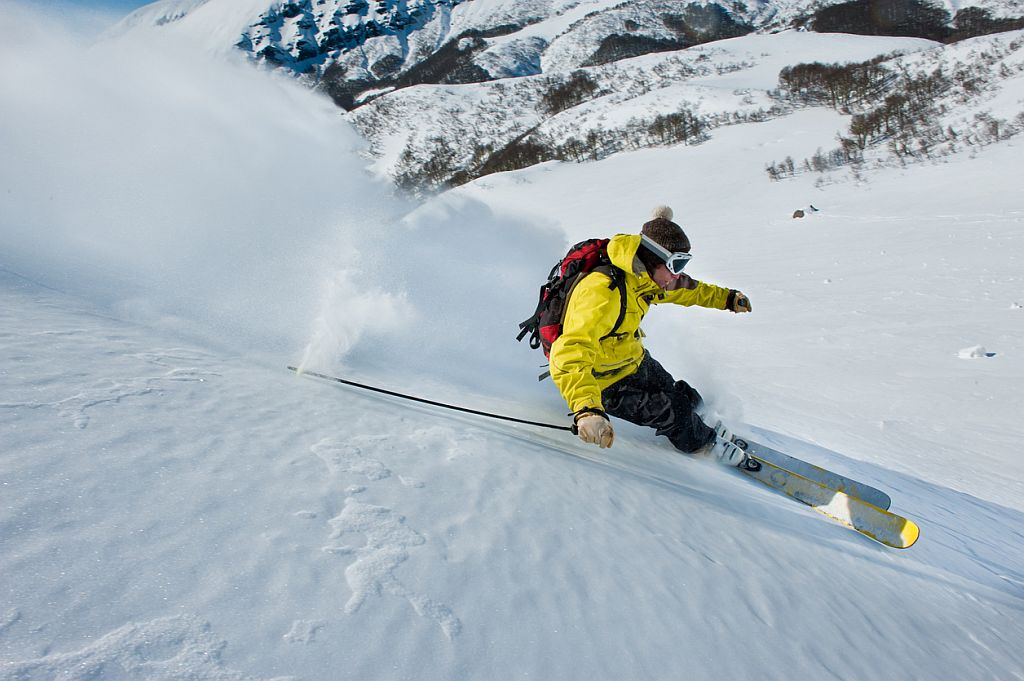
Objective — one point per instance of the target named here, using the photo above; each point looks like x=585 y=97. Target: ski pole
x=430 y=402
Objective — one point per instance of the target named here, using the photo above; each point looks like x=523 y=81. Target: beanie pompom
x=662 y=212
x=666 y=233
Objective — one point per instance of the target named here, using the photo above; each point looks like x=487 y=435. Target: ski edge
x=871 y=521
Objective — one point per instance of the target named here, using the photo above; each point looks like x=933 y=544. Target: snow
x=175 y=504
x=718 y=79
x=975 y=352
x=215 y=24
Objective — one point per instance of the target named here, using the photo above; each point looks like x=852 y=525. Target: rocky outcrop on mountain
x=306 y=35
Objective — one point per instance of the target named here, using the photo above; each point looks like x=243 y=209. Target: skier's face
x=663 y=278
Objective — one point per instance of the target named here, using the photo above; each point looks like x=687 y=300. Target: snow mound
x=975 y=352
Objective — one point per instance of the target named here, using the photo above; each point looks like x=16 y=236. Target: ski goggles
x=675 y=262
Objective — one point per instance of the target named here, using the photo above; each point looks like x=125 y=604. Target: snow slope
x=177 y=505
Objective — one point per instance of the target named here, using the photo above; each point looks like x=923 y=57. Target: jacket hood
x=622 y=250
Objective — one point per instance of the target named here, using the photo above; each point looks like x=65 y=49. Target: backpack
x=585 y=257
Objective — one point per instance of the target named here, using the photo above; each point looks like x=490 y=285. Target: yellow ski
x=879 y=524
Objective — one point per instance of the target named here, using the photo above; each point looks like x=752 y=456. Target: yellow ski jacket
x=582 y=361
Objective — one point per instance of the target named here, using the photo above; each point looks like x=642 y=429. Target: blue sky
x=112 y=6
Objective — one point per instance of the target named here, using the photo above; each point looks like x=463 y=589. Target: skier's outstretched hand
x=595 y=429
x=738 y=302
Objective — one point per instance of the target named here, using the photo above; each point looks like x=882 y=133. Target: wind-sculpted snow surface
x=256 y=525
x=109 y=391
x=387 y=538
x=165 y=649
x=354 y=557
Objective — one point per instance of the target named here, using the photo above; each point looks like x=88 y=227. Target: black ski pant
x=651 y=397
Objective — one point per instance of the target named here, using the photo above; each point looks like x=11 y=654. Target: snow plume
x=345 y=314
x=172 y=186
x=470 y=275
x=210 y=197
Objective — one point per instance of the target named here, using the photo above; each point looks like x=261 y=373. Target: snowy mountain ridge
x=448 y=92
x=442 y=135
x=349 y=47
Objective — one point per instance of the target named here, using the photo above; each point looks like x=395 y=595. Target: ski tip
x=902 y=537
x=909 y=534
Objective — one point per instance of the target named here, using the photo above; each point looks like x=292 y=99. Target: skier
x=600 y=374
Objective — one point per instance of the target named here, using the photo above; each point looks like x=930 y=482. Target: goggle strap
x=655 y=248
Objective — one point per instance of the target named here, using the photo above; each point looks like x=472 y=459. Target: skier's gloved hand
x=594 y=428
x=737 y=302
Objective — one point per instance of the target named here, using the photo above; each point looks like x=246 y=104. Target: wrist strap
x=589 y=410
x=583 y=412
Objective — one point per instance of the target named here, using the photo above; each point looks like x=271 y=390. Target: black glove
x=737 y=302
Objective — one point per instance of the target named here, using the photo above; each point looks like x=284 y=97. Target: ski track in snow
x=387 y=537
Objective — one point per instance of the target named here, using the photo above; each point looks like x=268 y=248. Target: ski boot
x=725 y=443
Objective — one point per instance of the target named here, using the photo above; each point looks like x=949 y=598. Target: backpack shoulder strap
x=618 y=281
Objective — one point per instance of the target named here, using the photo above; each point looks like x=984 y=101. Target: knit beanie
x=668 y=234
